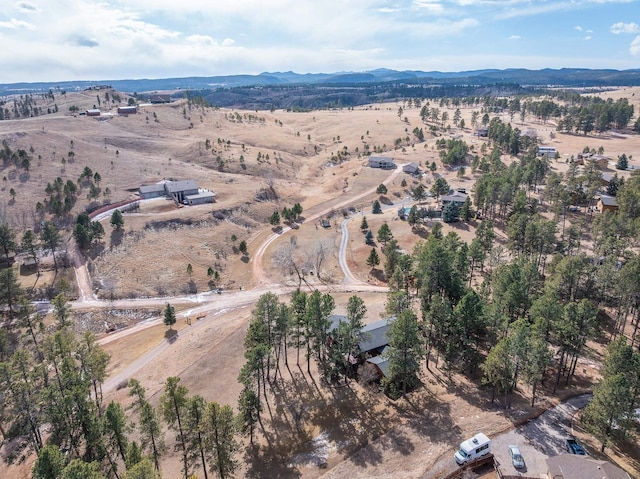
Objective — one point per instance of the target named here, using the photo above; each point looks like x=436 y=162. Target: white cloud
x=14 y=24
x=634 y=48
x=514 y=37
x=621 y=27
x=431 y=6
x=588 y=37
x=578 y=27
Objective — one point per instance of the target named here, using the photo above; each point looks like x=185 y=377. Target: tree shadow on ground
x=116 y=237
x=420 y=231
x=171 y=335
x=428 y=416
x=311 y=418
x=270 y=461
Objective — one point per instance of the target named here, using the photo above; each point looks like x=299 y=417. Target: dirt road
x=258 y=257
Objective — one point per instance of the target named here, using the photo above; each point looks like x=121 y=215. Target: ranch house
x=384 y=162
x=184 y=192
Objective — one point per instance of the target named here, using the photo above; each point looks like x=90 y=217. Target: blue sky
x=57 y=40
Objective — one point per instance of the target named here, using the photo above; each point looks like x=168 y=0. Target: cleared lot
x=539 y=439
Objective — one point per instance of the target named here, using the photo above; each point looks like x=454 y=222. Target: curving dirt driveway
x=258 y=257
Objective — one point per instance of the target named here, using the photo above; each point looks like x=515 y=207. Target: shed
x=573 y=466
x=601 y=161
x=93 y=112
x=607 y=203
x=482 y=132
x=127 y=110
x=381 y=363
x=411 y=168
x=384 y=162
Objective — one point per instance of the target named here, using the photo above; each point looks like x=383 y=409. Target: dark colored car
x=574 y=447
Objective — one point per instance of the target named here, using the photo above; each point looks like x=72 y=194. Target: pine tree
x=384 y=234
x=373 y=259
x=117 y=221
x=220 y=439
x=405 y=352
x=169 y=318
x=364 y=225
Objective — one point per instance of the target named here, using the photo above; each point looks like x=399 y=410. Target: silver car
x=516 y=458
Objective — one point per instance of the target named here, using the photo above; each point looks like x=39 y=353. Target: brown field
x=379 y=438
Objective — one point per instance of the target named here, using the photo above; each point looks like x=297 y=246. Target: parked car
x=516 y=458
x=574 y=447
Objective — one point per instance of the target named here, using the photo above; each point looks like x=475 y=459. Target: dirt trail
x=85 y=291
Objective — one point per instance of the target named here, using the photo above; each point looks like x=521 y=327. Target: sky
x=60 y=40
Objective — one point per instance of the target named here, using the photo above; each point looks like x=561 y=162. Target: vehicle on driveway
x=472 y=449
x=516 y=458
x=574 y=447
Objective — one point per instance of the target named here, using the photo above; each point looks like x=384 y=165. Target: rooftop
x=374 y=335
x=572 y=466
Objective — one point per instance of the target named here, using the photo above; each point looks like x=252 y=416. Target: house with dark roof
x=374 y=337
x=184 y=192
x=159 y=98
x=606 y=178
x=152 y=191
x=411 y=168
x=607 y=203
x=574 y=466
x=384 y=162
x=457 y=198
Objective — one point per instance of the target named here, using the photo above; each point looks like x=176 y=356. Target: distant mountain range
x=565 y=77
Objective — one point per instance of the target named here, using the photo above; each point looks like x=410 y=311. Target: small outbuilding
x=380 y=363
x=93 y=112
x=607 y=203
x=384 y=162
x=601 y=161
x=127 y=110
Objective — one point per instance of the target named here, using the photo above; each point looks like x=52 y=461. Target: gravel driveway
x=539 y=439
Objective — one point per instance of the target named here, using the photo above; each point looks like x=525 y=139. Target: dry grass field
x=252 y=151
